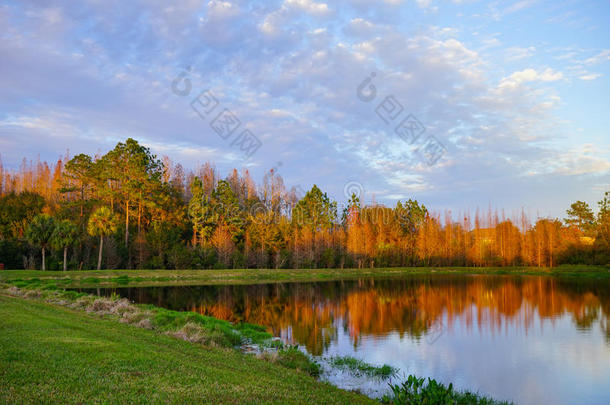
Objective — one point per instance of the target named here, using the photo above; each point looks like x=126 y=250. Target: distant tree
x=545 y=241
x=411 y=218
x=39 y=233
x=507 y=242
x=78 y=183
x=265 y=235
x=223 y=244
x=64 y=235
x=581 y=216
x=202 y=213
x=315 y=210
x=102 y=223
x=603 y=222
x=17 y=212
x=226 y=206
x=134 y=174
x=272 y=191
x=350 y=213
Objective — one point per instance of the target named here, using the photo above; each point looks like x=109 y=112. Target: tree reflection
x=309 y=313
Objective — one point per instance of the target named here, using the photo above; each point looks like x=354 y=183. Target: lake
x=527 y=339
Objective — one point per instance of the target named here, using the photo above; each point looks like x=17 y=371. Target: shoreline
x=150 y=278
x=91 y=356
x=203 y=333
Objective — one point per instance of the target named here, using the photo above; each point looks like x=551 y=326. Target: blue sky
x=517 y=92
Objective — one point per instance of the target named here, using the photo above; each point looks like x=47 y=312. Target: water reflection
x=418 y=307
x=530 y=339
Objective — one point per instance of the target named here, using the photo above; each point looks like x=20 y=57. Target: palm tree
x=39 y=233
x=64 y=235
x=102 y=222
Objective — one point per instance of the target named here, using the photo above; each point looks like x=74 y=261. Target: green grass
x=188 y=325
x=360 y=367
x=53 y=354
x=228 y=334
x=142 y=278
x=292 y=357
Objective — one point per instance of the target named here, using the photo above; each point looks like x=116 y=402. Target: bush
x=12 y=252
x=180 y=257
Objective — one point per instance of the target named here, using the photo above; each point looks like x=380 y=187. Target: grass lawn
x=115 y=278
x=52 y=354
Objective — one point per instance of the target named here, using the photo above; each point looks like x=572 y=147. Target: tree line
x=129 y=209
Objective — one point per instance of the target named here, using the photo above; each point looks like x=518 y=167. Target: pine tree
x=581 y=216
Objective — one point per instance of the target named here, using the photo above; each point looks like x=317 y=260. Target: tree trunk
x=65 y=258
x=551 y=250
x=43 y=259
x=126 y=222
x=140 y=231
x=99 y=256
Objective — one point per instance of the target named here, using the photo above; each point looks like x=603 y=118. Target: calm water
x=528 y=339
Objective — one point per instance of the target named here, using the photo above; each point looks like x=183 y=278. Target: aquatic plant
x=416 y=391
x=360 y=367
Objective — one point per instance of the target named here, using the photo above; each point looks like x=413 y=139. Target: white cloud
x=519 y=5
x=514 y=53
x=308 y=6
x=530 y=75
x=590 y=76
x=278 y=22
x=603 y=56
x=360 y=27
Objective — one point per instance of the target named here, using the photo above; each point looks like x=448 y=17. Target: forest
x=130 y=209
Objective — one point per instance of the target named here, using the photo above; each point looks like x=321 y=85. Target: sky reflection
x=526 y=339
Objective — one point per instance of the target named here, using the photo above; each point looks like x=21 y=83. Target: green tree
x=226 y=208
x=102 y=223
x=17 y=212
x=201 y=212
x=350 y=213
x=64 y=235
x=133 y=172
x=411 y=217
x=603 y=223
x=581 y=216
x=315 y=210
x=208 y=212
x=79 y=180
x=39 y=233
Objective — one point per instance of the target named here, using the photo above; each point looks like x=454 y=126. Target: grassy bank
x=61 y=346
x=117 y=278
x=55 y=354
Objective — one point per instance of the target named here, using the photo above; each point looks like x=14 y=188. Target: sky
x=459 y=104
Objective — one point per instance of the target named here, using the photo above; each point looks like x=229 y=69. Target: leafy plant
x=416 y=391
x=39 y=233
x=64 y=235
x=103 y=222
